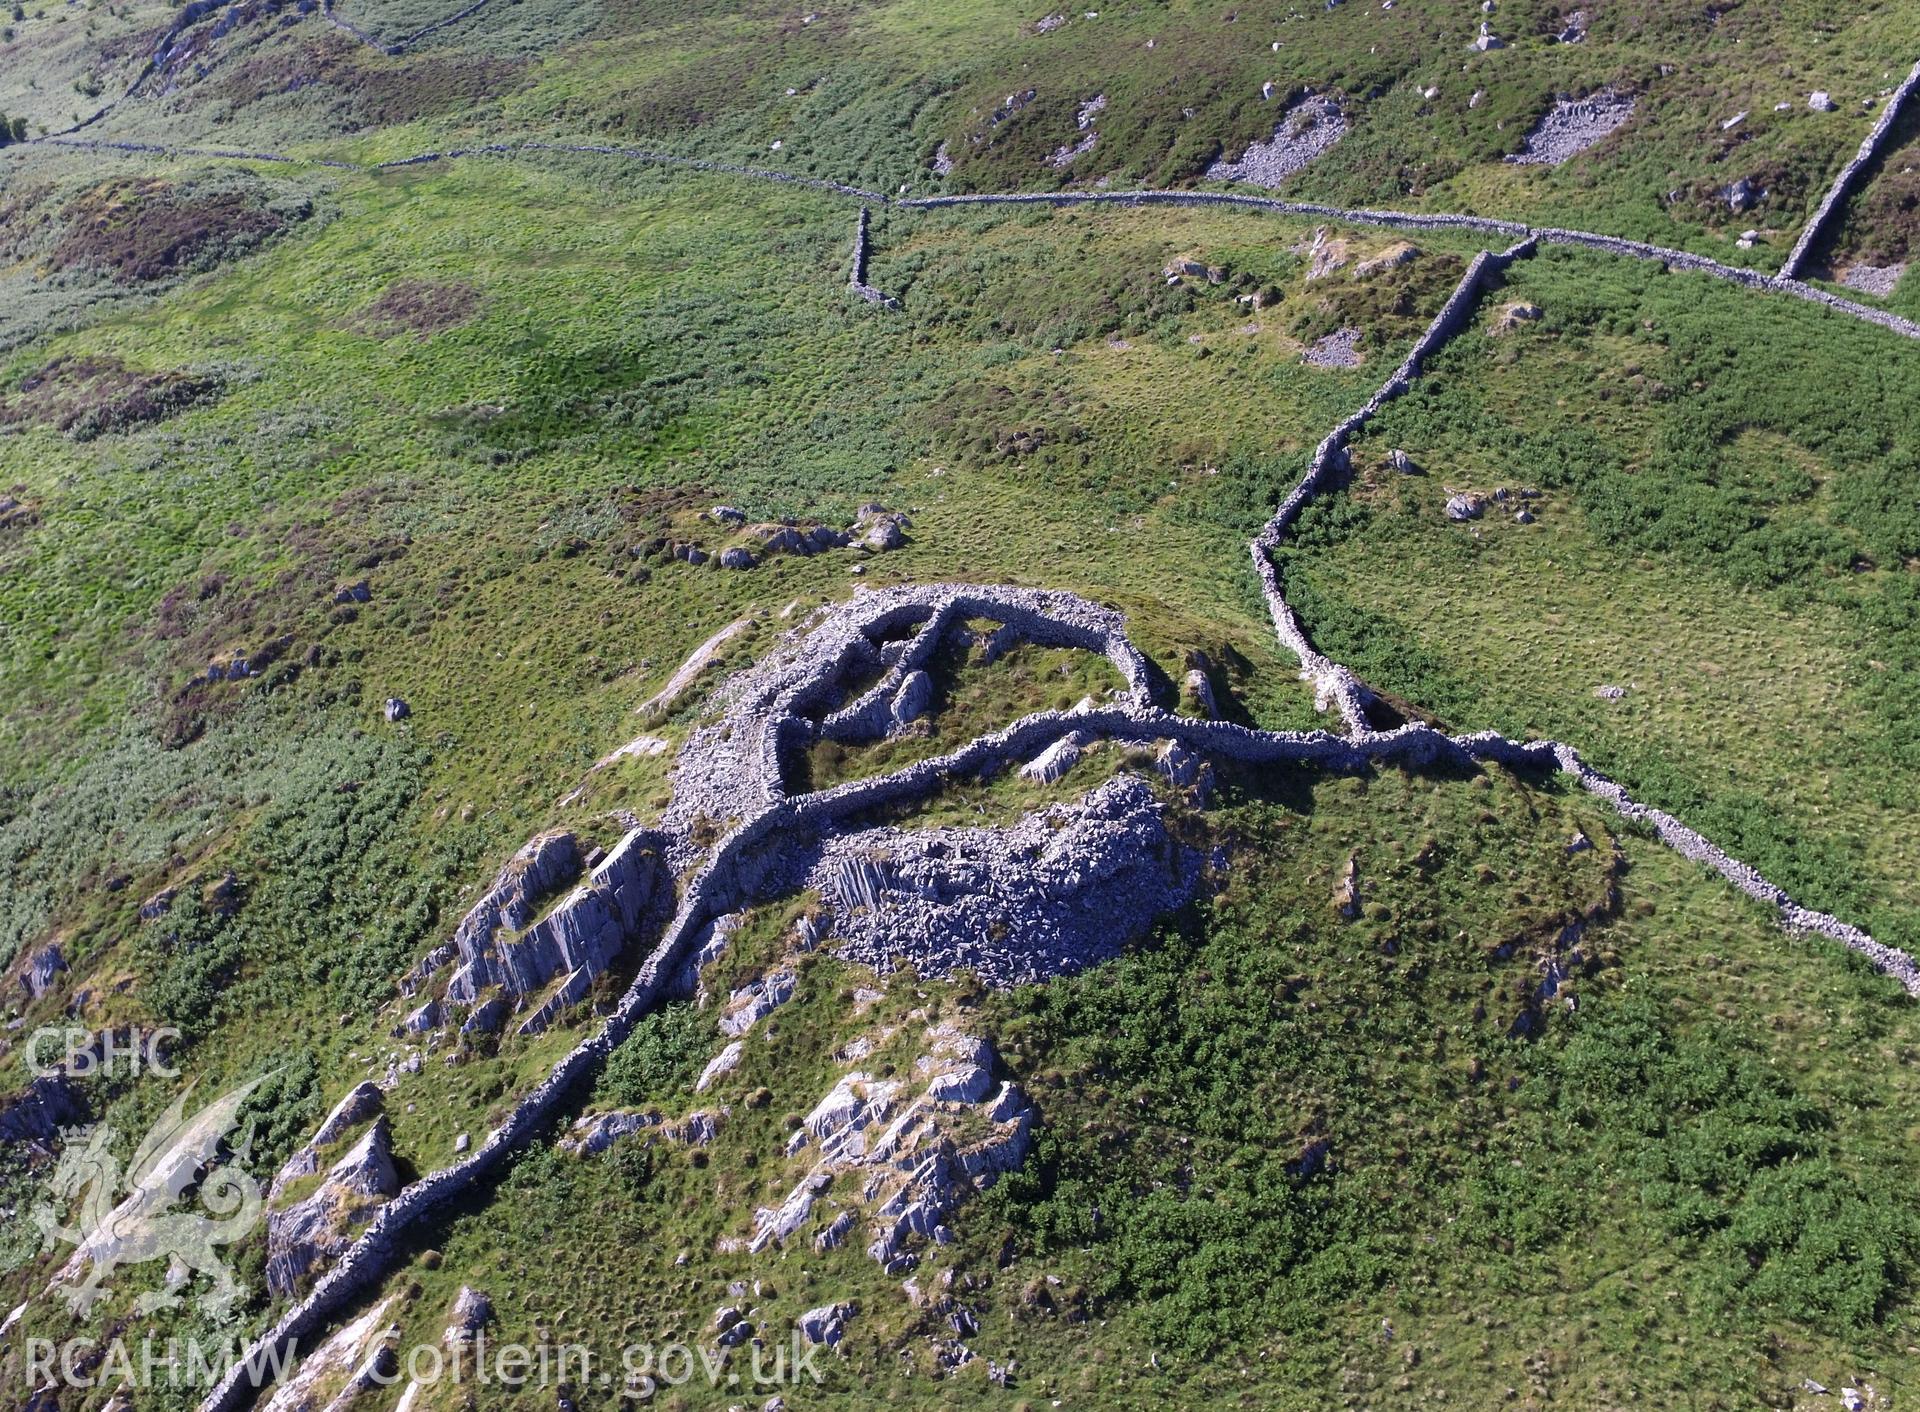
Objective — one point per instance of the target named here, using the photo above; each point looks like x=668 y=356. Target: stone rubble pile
x=1571 y=126
x=1061 y=889
x=1306 y=131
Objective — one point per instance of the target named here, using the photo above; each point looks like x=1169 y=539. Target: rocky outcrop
x=503 y=948
x=319 y=1228
x=42 y=966
x=902 y=1160
x=38 y=1112
x=362 y=1103
x=596 y=1132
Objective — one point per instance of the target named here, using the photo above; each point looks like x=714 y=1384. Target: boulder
x=42 y=966
x=1821 y=102
x=827 y=1324
x=727 y=515
x=1346 y=892
x=357 y=592
x=1200 y=689
x=397 y=709
x=737 y=558
x=1465 y=507
x=913 y=698
x=1402 y=462
x=472 y=1312
x=884 y=533
x=1053 y=762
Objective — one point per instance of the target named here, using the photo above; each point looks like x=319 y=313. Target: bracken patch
x=87 y=397
x=419 y=306
x=140 y=230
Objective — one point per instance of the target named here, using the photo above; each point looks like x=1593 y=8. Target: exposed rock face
x=1067 y=153
x=827 y=1324
x=1571 y=126
x=596 y=1132
x=722 y=1064
x=45 y=1106
x=472 y=1312
x=1307 y=130
x=361 y=1351
x=42 y=966
x=1057 y=891
x=751 y=1004
x=575 y=941
x=701 y=658
x=362 y=1102
x=1513 y=316
x=899 y=1160
x=318 y=1229
x=1392 y=258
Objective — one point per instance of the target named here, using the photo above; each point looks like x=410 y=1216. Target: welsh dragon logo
x=148 y=1211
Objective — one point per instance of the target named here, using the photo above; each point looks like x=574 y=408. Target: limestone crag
x=576 y=940
x=318 y=1229
x=902 y=1163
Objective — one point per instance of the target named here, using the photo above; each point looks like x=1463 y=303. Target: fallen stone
x=1572 y=126
x=1339 y=349
x=826 y=1324
x=722 y=1064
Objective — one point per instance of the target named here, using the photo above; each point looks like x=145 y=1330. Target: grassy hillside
x=282 y=441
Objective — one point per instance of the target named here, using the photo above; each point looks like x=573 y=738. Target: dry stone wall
x=1815 y=228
